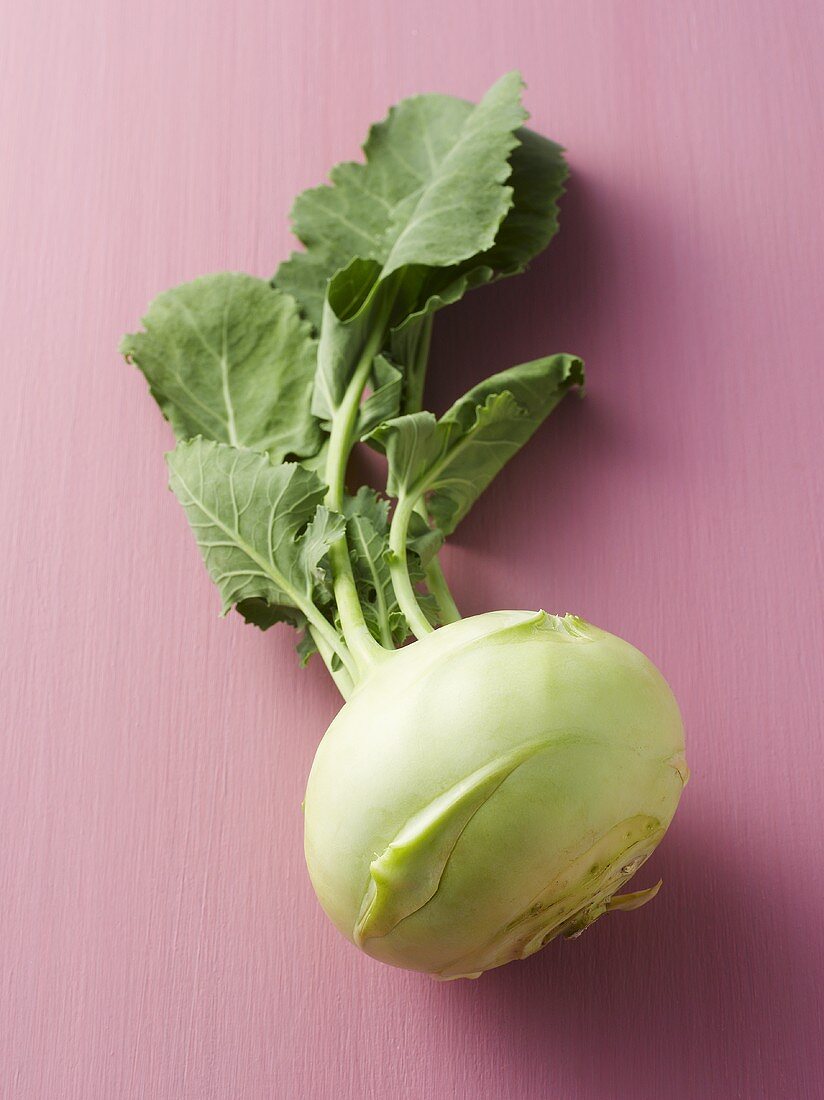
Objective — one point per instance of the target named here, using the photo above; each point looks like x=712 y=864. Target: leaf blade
x=431 y=156
x=230 y=359
x=261 y=528
x=452 y=460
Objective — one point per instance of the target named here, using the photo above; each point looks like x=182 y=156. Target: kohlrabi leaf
x=353 y=313
x=409 y=347
x=538 y=174
x=251 y=375
x=450 y=196
x=261 y=527
x=257 y=612
x=452 y=460
x=433 y=192
x=452 y=174
x=229 y=358
x=537 y=181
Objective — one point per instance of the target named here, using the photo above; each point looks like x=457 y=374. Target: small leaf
x=257 y=612
x=453 y=459
x=230 y=359
x=261 y=528
x=412 y=445
x=306 y=648
x=366 y=525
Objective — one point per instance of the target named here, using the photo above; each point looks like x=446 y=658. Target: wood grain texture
x=159 y=937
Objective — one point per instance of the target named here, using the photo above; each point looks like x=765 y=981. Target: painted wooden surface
x=159 y=935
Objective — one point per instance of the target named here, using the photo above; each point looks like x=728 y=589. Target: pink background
x=159 y=935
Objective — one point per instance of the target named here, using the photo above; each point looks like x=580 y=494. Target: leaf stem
x=435 y=579
x=323 y=632
x=343 y=426
x=436 y=583
x=365 y=650
x=399 y=571
x=341 y=676
x=314 y=618
x=416 y=368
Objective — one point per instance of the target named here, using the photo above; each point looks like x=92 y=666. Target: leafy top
x=446 y=185
x=269 y=386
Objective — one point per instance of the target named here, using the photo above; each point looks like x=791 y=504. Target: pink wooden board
x=159 y=936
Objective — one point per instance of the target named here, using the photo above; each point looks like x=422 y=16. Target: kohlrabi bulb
x=490 y=787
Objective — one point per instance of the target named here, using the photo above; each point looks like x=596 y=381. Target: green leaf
x=229 y=358
x=409 y=347
x=432 y=192
x=305 y=276
x=454 y=176
x=306 y=648
x=258 y=613
x=452 y=460
x=538 y=175
x=451 y=195
x=260 y=527
x=353 y=312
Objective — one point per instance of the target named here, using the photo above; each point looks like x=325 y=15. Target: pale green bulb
x=490 y=787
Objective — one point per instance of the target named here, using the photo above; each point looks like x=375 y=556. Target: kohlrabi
x=496 y=781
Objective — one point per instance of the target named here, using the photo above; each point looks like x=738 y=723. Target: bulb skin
x=490 y=787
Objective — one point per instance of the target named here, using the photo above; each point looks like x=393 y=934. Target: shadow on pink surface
x=640 y=1006
x=614 y=288
x=569 y=296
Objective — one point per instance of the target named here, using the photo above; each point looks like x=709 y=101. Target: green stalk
x=416 y=369
x=341 y=676
x=436 y=583
x=399 y=571
x=328 y=642
x=365 y=650
x=435 y=580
